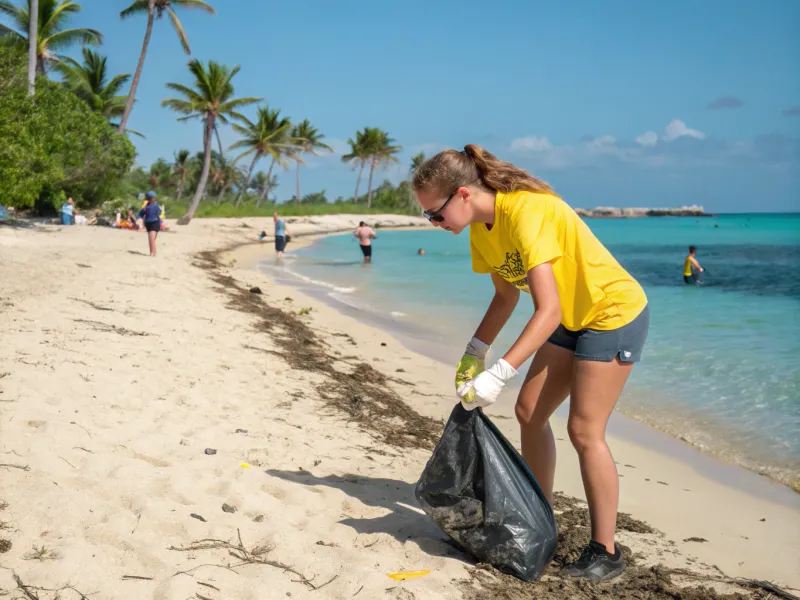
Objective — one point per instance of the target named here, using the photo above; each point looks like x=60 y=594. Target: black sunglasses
x=436 y=215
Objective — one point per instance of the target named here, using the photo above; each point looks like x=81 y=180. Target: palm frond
x=69 y=37
x=10 y=36
x=113 y=86
x=176 y=24
x=138 y=7
x=231 y=105
x=196 y=5
x=186 y=91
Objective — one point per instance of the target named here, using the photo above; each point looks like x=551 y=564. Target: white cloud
x=678 y=128
x=604 y=141
x=531 y=144
x=647 y=139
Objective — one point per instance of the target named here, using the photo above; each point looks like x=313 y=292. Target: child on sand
x=151 y=214
x=588 y=328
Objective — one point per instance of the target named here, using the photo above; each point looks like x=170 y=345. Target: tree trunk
x=219 y=143
x=267 y=185
x=298 y=182
x=358 y=181
x=180 y=185
x=221 y=194
x=369 y=193
x=151 y=10
x=249 y=179
x=201 y=185
x=33 y=44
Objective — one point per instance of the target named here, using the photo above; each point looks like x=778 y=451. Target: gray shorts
x=627 y=342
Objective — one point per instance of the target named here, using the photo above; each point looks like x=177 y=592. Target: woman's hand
x=483 y=390
x=472 y=362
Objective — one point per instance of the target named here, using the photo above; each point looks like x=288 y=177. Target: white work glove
x=472 y=362
x=486 y=387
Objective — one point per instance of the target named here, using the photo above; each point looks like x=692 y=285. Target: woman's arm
x=546 y=316
x=505 y=300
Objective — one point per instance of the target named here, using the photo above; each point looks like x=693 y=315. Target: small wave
x=348 y=300
x=325 y=284
x=397 y=314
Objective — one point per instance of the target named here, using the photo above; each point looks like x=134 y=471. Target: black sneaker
x=596 y=563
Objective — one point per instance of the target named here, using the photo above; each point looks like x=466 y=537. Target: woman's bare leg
x=596 y=386
x=546 y=387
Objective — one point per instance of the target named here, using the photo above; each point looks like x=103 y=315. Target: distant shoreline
x=609 y=212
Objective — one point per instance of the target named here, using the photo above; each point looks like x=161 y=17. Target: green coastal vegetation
x=64 y=126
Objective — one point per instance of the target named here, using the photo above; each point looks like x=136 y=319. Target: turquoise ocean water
x=722 y=364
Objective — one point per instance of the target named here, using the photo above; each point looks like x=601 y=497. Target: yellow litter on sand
x=403 y=575
x=244 y=465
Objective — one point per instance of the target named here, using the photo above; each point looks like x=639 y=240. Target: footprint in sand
x=275 y=492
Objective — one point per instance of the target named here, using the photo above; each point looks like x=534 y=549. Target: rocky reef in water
x=609 y=212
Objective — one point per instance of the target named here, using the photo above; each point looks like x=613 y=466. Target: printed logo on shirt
x=513 y=271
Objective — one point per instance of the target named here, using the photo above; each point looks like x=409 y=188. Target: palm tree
x=262 y=186
x=380 y=150
x=211 y=100
x=268 y=136
x=159 y=170
x=50 y=18
x=33 y=28
x=89 y=81
x=224 y=173
x=416 y=163
x=308 y=140
x=180 y=168
x=156 y=9
x=357 y=156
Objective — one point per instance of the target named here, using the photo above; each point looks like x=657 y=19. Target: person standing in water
x=151 y=215
x=364 y=234
x=281 y=234
x=588 y=328
x=689 y=276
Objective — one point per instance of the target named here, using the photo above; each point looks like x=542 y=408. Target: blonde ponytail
x=447 y=171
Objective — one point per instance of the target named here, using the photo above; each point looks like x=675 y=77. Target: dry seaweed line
x=100 y=326
x=362 y=394
x=30 y=591
x=257 y=555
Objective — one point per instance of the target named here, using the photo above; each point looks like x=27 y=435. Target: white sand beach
x=167 y=434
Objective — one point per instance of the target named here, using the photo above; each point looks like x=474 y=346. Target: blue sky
x=621 y=103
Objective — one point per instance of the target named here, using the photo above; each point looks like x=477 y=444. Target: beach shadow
x=402 y=523
x=138 y=253
x=39 y=225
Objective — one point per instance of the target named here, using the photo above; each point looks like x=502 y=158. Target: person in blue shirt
x=151 y=214
x=281 y=235
x=68 y=212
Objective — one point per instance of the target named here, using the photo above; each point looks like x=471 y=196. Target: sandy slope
x=117 y=372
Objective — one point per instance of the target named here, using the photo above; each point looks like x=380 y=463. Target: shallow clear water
x=721 y=364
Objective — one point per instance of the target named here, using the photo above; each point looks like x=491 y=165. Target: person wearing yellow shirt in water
x=689 y=276
x=588 y=328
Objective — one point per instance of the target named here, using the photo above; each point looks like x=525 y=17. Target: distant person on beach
x=365 y=235
x=588 y=328
x=68 y=212
x=689 y=276
x=151 y=214
x=281 y=234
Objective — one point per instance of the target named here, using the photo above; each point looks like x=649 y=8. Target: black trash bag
x=479 y=491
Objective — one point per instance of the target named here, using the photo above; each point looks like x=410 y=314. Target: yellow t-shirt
x=531 y=229
x=687 y=267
